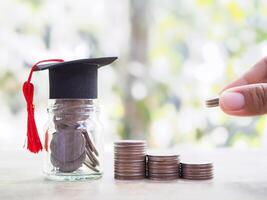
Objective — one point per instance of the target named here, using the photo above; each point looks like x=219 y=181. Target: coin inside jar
x=67 y=146
x=68 y=166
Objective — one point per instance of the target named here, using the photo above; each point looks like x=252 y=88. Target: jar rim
x=80 y=105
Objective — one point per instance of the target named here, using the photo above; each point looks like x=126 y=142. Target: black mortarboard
x=75 y=79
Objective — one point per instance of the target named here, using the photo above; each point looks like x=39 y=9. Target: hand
x=247 y=96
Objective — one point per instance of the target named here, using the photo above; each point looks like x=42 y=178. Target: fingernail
x=232 y=100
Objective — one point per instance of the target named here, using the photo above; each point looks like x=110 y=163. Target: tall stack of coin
x=196 y=171
x=163 y=167
x=129 y=159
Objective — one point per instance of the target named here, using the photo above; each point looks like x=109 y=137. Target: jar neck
x=81 y=106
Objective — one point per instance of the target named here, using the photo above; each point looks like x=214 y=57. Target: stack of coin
x=163 y=167
x=212 y=102
x=196 y=171
x=129 y=159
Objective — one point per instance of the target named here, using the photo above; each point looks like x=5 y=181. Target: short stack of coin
x=163 y=167
x=129 y=159
x=196 y=171
x=212 y=102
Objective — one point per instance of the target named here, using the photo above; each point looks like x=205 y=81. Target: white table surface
x=238 y=175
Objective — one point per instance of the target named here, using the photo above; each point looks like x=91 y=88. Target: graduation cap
x=75 y=79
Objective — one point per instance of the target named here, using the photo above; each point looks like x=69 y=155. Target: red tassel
x=33 y=140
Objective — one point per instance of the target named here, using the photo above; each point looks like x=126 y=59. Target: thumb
x=247 y=100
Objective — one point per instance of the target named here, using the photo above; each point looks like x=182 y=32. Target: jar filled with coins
x=73 y=140
x=73 y=133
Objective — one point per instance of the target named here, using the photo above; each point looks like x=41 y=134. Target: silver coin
x=68 y=166
x=67 y=146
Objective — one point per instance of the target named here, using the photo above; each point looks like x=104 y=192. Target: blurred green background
x=172 y=56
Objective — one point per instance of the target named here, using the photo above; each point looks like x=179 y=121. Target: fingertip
x=232 y=101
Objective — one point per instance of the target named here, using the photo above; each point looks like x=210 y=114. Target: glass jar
x=73 y=140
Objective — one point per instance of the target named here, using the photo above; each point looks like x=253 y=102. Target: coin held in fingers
x=212 y=102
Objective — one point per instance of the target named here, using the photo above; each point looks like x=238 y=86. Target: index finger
x=257 y=74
